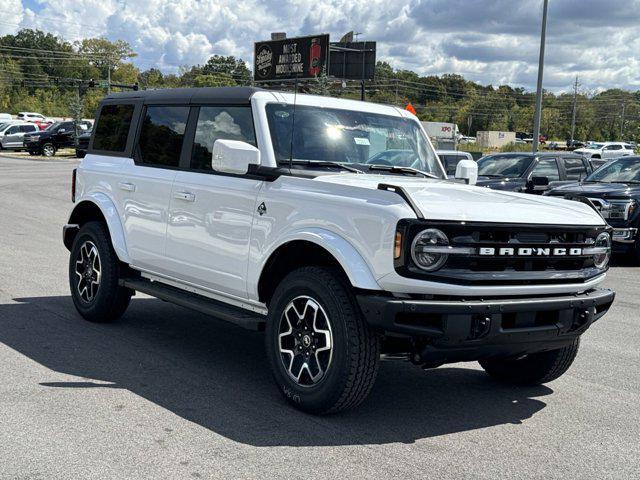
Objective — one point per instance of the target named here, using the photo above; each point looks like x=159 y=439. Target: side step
x=208 y=306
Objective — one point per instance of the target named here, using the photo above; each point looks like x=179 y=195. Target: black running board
x=200 y=303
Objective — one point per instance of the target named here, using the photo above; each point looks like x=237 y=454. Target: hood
x=446 y=200
x=598 y=190
x=585 y=151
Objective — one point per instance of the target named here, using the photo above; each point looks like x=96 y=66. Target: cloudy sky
x=490 y=41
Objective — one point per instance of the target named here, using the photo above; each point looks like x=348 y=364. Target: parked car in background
x=82 y=143
x=12 y=134
x=465 y=140
x=615 y=190
x=575 y=144
x=531 y=173
x=58 y=135
x=606 y=150
x=5 y=117
x=451 y=158
x=40 y=120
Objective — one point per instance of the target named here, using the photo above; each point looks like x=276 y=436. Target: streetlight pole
x=536 y=119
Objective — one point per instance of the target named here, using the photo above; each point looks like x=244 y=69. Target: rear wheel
x=322 y=353
x=48 y=149
x=94 y=272
x=534 y=369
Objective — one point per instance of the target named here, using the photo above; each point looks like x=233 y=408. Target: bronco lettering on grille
x=530 y=251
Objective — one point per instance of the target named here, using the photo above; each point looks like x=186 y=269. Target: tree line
x=45 y=73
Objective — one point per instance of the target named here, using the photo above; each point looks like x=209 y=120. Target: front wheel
x=534 y=369
x=94 y=272
x=322 y=353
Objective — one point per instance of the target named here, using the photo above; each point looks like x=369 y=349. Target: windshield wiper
x=324 y=163
x=490 y=175
x=397 y=169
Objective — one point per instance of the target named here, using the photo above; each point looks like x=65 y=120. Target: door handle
x=128 y=187
x=185 y=196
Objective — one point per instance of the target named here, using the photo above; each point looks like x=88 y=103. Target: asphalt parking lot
x=168 y=393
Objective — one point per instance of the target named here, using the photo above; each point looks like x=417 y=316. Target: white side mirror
x=467 y=170
x=233 y=156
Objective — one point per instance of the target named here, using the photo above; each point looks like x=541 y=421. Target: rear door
x=575 y=169
x=211 y=213
x=146 y=181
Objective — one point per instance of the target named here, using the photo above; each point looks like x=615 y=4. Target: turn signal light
x=397 y=247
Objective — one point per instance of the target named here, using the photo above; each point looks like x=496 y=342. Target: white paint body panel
x=203 y=230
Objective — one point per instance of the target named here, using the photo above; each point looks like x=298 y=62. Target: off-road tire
x=110 y=300
x=48 y=149
x=356 y=348
x=534 y=369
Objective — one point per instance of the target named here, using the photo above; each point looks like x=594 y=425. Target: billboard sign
x=291 y=58
x=353 y=60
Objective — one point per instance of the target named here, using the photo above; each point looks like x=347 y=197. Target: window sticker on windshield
x=282 y=114
x=361 y=141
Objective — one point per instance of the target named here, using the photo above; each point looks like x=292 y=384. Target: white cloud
x=491 y=41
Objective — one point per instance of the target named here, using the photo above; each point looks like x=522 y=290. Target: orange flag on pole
x=410 y=108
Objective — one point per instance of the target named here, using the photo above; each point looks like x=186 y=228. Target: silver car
x=12 y=134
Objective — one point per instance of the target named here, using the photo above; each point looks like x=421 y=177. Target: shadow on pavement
x=216 y=375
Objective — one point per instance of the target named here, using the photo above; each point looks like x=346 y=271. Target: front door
x=13 y=137
x=211 y=214
x=145 y=185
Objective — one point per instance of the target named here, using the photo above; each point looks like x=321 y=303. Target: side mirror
x=538 y=183
x=233 y=156
x=467 y=170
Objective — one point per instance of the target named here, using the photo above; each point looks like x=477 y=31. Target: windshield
x=504 y=165
x=54 y=126
x=349 y=137
x=621 y=170
x=594 y=146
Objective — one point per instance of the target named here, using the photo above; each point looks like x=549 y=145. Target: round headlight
x=428 y=249
x=603 y=241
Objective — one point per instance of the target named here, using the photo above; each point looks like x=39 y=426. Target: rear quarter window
x=112 y=128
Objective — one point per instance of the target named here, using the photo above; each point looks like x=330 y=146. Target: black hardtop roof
x=233 y=95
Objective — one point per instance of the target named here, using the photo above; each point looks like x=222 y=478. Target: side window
x=225 y=123
x=613 y=147
x=162 y=134
x=112 y=129
x=576 y=169
x=27 y=128
x=13 y=130
x=546 y=167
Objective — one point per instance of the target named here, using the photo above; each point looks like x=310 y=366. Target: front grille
x=493 y=269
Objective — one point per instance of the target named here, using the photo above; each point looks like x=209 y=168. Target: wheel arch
x=97 y=207
x=314 y=247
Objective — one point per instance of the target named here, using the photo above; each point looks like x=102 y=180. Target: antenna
x=293 y=122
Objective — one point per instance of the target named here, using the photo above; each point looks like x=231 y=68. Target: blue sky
x=490 y=41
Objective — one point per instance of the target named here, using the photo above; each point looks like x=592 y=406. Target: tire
x=48 y=149
x=534 y=369
x=349 y=367
x=101 y=299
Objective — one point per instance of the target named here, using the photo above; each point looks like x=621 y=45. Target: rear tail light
x=73 y=186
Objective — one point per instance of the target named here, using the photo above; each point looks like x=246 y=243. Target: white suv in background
x=606 y=150
x=330 y=225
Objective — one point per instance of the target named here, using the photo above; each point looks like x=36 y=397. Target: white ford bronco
x=331 y=225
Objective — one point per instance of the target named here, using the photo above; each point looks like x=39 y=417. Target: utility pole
x=624 y=106
x=536 y=118
x=108 y=75
x=396 y=81
x=573 y=113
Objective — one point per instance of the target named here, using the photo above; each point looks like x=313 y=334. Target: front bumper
x=460 y=330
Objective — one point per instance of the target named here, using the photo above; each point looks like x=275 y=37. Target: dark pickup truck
x=615 y=190
x=58 y=135
x=529 y=172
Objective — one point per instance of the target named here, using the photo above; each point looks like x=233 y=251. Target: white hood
x=446 y=200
